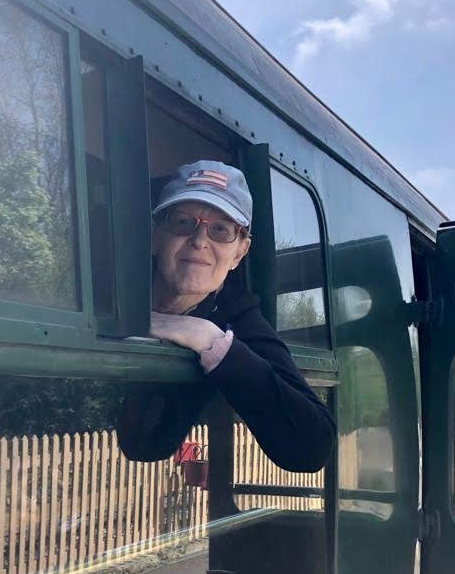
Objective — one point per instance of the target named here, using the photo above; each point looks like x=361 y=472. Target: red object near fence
x=196 y=473
x=188 y=450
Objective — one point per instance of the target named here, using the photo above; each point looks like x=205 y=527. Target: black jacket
x=259 y=380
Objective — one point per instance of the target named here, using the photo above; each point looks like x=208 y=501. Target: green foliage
x=297 y=310
x=46 y=406
x=363 y=396
x=26 y=255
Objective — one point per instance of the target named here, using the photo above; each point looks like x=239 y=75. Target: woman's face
x=195 y=265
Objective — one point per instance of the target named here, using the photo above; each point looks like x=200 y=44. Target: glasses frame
x=199 y=221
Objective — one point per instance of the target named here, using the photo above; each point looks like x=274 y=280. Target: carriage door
x=438 y=406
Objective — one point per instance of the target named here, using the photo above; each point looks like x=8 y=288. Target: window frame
x=130 y=306
x=304 y=182
x=16 y=318
x=95 y=54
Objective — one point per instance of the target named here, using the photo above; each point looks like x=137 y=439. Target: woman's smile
x=195 y=261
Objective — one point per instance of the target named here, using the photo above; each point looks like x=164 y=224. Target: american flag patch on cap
x=207 y=177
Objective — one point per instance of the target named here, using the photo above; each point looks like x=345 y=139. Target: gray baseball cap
x=212 y=182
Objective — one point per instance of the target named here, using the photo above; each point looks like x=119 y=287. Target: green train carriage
x=99 y=103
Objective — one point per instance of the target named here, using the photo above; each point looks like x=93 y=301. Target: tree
x=33 y=124
x=26 y=258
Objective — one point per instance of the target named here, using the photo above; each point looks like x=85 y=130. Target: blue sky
x=385 y=66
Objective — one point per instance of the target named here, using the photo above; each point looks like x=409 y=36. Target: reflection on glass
x=353 y=303
x=96 y=159
x=300 y=271
x=253 y=467
x=300 y=308
x=36 y=212
x=366 y=459
x=70 y=499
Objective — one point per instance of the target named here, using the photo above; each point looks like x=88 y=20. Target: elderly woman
x=200 y=235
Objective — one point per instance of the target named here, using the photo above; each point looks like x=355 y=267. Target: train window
x=263 y=489
x=68 y=496
x=259 y=483
x=179 y=133
x=118 y=189
x=98 y=186
x=301 y=313
x=37 y=215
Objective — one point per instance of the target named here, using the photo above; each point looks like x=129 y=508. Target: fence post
x=102 y=497
x=137 y=498
x=91 y=543
x=4 y=469
x=13 y=507
x=121 y=525
x=112 y=492
x=152 y=526
x=21 y=562
x=62 y=552
x=76 y=458
x=54 y=500
x=83 y=542
x=34 y=465
x=129 y=494
x=42 y=561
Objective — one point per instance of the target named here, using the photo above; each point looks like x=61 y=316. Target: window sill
x=41 y=349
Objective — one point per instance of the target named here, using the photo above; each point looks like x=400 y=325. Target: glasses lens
x=181 y=223
x=222 y=231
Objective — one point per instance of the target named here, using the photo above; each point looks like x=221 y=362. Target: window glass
x=253 y=468
x=301 y=315
x=261 y=488
x=68 y=496
x=97 y=162
x=366 y=459
x=37 y=243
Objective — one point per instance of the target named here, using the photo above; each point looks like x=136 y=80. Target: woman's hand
x=190 y=332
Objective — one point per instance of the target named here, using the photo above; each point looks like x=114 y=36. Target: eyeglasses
x=184 y=224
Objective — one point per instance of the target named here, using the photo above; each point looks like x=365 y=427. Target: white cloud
x=430 y=24
x=439 y=186
x=438 y=23
x=355 y=28
x=306 y=49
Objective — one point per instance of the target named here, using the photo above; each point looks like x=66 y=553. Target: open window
x=116 y=158
x=180 y=133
